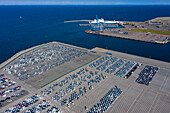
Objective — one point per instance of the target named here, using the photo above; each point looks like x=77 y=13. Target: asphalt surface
x=135 y=97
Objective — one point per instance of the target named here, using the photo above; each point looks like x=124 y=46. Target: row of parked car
x=54 y=109
x=100 y=61
x=97 y=79
x=147 y=74
x=132 y=70
x=107 y=64
x=5 y=83
x=73 y=85
x=111 y=64
x=3 y=80
x=24 y=104
x=70 y=83
x=74 y=96
x=40 y=107
x=48 y=66
x=66 y=81
x=6 y=92
x=82 y=90
x=106 y=101
x=41 y=60
x=115 y=66
x=125 y=68
x=10 y=98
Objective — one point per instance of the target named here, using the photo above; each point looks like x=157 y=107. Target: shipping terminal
x=153 y=31
x=62 y=78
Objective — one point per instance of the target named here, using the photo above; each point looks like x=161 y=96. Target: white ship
x=102 y=21
x=96 y=21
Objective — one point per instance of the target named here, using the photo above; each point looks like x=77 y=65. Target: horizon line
x=80 y=4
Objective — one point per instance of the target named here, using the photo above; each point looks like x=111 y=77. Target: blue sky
x=84 y=2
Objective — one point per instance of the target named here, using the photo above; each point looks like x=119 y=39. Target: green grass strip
x=69 y=72
x=149 y=30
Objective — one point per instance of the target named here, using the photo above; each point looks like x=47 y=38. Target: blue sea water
x=42 y=24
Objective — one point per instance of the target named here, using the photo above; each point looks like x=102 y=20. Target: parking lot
x=114 y=65
x=10 y=91
x=106 y=101
x=147 y=74
x=42 y=59
x=79 y=90
x=58 y=72
x=89 y=83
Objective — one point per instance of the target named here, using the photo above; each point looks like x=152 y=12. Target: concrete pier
x=138 y=36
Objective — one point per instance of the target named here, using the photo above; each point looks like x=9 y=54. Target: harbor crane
x=97 y=23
